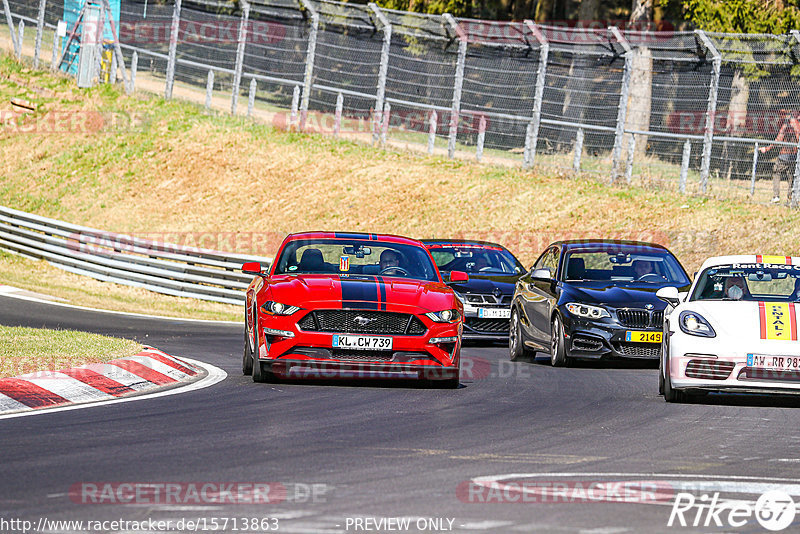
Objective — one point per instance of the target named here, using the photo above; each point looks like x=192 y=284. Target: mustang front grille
x=640 y=318
x=490 y=326
x=362 y=322
x=709 y=369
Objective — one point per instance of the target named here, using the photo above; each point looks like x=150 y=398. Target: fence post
x=117 y=47
x=242 y=40
x=56 y=46
x=20 y=37
x=481 y=138
x=753 y=171
x=99 y=35
x=576 y=159
x=796 y=182
x=174 y=31
x=629 y=162
x=10 y=23
x=708 y=136
x=387 y=113
x=251 y=96
x=209 y=88
x=39 y=31
x=532 y=131
x=295 y=106
x=134 y=68
x=432 y=125
x=457 y=83
x=112 y=75
x=687 y=153
x=337 y=118
x=622 y=107
x=308 y=78
x=383 y=24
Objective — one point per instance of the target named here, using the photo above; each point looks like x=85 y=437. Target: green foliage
x=741 y=16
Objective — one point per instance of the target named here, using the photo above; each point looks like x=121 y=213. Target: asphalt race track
x=368 y=452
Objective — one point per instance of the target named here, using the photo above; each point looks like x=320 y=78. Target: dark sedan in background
x=592 y=300
x=493 y=274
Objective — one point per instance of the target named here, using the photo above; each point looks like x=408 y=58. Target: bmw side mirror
x=252 y=267
x=669 y=295
x=458 y=277
x=542 y=275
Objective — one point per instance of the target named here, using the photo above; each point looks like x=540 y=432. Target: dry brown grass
x=194 y=173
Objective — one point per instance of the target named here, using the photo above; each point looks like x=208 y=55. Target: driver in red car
x=389 y=258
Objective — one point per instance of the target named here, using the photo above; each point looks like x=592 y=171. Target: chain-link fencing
x=691 y=112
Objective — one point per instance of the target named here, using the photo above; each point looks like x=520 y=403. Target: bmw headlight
x=586 y=311
x=278 y=308
x=695 y=324
x=444 y=316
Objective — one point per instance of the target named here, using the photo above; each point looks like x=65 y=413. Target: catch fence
x=690 y=112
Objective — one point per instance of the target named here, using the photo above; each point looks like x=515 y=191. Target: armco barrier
x=161 y=267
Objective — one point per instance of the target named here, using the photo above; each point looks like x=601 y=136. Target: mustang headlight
x=586 y=311
x=278 y=308
x=444 y=316
x=695 y=324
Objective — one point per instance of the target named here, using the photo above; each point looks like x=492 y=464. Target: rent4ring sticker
x=362 y=342
x=640 y=336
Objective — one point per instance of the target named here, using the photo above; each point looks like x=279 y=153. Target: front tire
x=516 y=343
x=558 y=353
x=670 y=394
x=247 y=357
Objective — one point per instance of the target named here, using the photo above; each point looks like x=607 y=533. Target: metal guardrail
x=160 y=267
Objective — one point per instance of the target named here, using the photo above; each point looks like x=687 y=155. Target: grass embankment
x=28 y=350
x=180 y=174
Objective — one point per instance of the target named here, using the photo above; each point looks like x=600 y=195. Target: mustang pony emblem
x=364 y=321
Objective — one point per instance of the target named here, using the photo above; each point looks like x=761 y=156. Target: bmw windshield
x=354 y=258
x=624 y=267
x=749 y=281
x=475 y=258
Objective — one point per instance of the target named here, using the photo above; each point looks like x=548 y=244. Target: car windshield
x=624 y=266
x=774 y=283
x=475 y=258
x=354 y=258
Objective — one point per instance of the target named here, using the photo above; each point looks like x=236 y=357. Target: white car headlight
x=586 y=311
x=694 y=324
x=444 y=316
x=278 y=308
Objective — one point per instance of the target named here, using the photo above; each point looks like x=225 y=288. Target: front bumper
x=706 y=364
x=312 y=354
x=606 y=339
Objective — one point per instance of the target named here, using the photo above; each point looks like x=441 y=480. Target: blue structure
x=72 y=8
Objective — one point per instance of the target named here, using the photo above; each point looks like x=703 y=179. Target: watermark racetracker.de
x=73 y=122
x=692 y=501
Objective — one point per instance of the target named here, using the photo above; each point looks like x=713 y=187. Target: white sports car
x=735 y=330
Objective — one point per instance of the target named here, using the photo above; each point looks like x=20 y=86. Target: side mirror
x=669 y=295
x=252 y=267
x=458 y=277
x=542 y=275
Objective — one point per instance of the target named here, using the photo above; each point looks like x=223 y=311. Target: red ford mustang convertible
x=344 y=305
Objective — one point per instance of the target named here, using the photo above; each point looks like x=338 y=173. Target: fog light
x=275 y=332
x=437 y=340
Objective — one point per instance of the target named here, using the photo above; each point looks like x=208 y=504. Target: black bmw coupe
x=493 y=274
x=593 y=299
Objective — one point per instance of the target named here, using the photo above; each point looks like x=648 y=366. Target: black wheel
x=670 y=394
x=247 y=357
x=558 y=354
x=516 y=344
x=260 y=374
